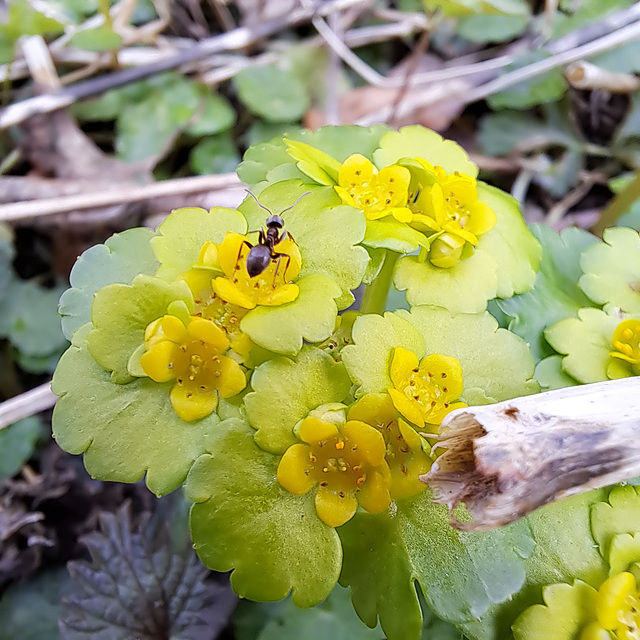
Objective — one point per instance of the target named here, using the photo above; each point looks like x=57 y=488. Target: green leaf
x=470 y=7
x=214 y=154
x=102 y=38
x=102 y=109
x=311 y=317
x=24 y=20
x=260 y=132
x=30 y=611
x=30 y=319
x=119 y=260
x=388 y=233
x=120 y=313
x=612 y=270
x=285 y=391
x=181 y=236
x=369 y=358
x=124 y=430
x=154 y=112
x=496 y=364
x=325 y=231
x=17 y=444
x=6 y=270
x=586 y=343
x=271 y=93
x=492 y=28
x=418 y=142
x=567 y=610
x=334 y=619
x=216 y=114
x=464 y=288
x=550 y=374
x=265 y=163
x=244 y=521
x=166 y=593
x=556 y=294
x=461 y=575
x=545 y=87
x=619 y=514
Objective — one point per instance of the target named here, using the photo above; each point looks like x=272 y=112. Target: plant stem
x=618 y=205
x=375 y=296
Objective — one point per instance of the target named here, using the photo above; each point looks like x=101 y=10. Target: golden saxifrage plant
x=226 y=353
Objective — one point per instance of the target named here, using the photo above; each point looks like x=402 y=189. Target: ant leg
x=245 y=243
x=278 y=257
x=284 y=234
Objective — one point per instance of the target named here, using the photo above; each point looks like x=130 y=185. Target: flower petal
x=408 y=408
x=155 y=362
x=333 y=509
x=402 y=365
x=374 y=494
x=225 y=289
x=313 y=429
x=370 y=443
x=208 y=332
x=190 y=405
x=291 y=470
x=232 y=379
x=355 y=170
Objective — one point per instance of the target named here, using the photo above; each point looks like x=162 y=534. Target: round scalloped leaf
x=465 y=288
x=388 y=233
x=620 y=514
x=567 y=609
x=624 y=552
x=514 y=249
x=325 y=231
x=181 y=236
x=612 y=270
x=418 y=142
x=285 y=391
x=586 y=343
x=369 y=358
x=124 y=430
x=244 y=521
x=556 y=294
x=550 y=374
x=311 y=317
x=262 y=164
x=496 y=364
x=461 y=574
x=119 y=260
x=120 y=314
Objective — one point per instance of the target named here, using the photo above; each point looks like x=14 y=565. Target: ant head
x=275 y=222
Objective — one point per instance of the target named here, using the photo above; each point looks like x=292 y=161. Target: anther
x=340 y=445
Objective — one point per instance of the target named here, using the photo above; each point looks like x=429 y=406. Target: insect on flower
x=264 y=252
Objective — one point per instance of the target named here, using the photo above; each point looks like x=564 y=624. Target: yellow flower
x=376 y=193
x=424 y=391
x=404 y=453
x=190 y=354
x=208 y=305
x=272 y=287
x=626 y=342
x=617 y=609
x=347 y=463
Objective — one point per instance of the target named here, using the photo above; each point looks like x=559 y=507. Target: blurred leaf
x=631 y=126
x=507 y=131
x=24 y=20
x=30 y=319
x=562 y=174
x=39 y=364
x=250 y=617
x=491 y=28
x=17 y=444
x=106 y=107
x=30 y=611
x=471 y=7
x=135 y=587
x=272 y=93
x=631 y=218
x=144 y=11
x=622 y=59
x=583 y=12
x=217 y=114
x=556 y=294
x=154 y=113
x=546 y=87
x=6 y=270
x=215 y=154
x=261 y=131
x=76 y=9
x=101 y=38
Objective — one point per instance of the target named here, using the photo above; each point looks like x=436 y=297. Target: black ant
x=263 y=253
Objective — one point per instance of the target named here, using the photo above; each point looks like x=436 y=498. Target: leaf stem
x=375 y=296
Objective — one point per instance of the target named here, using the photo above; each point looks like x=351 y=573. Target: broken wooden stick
x=505 y=460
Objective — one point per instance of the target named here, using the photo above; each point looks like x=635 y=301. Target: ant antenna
x=306 y=193
x=258 y=202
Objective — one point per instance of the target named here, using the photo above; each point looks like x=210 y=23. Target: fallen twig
x=26 y=404
x=505 y=460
